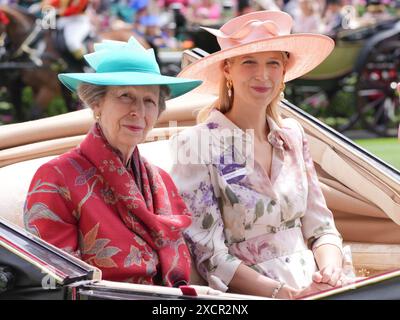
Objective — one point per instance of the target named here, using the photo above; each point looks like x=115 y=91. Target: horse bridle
x=25 y=46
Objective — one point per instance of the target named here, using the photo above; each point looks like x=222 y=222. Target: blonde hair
x=224 y=103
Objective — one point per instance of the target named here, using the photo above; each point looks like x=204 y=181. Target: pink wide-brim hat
x=258 y=32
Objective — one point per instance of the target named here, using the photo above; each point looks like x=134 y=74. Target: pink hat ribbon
x=250 y=31
x=251 y=27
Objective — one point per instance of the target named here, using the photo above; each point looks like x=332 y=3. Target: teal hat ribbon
x=119 y=63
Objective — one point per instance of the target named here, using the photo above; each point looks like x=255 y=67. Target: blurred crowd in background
x=163 y=22
x=364 y=87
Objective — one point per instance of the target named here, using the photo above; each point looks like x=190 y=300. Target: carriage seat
x=369 y=257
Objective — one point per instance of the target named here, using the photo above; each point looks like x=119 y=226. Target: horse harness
x=35 y=55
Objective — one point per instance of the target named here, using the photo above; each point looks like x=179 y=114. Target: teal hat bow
x=119 y=63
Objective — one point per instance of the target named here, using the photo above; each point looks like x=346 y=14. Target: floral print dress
x=240 y=214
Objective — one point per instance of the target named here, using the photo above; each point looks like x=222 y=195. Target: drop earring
x=283 y=91
x=229 y=85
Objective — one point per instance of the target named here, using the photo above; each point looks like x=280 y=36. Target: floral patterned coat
x=239 y=214
x=88 y=203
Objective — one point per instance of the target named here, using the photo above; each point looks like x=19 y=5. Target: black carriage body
x=36 y=270
x=31 y=269
x=381 y=289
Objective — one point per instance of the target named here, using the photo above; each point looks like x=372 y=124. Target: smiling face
x=127 y=114
x=257 y=78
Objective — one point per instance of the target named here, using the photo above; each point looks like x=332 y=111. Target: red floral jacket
x=88 y=203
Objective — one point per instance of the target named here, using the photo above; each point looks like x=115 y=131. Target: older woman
x=260 y=222
x=102 y=201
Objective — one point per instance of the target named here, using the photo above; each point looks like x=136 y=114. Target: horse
x=26 y=65
x=33 y=57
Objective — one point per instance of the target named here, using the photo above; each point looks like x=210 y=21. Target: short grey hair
x=90 y=94
x=165 y=93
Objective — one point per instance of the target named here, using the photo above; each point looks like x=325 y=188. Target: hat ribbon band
x=101 y=69
x=251 y=26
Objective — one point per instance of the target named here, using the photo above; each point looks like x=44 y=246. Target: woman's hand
x=332 y=275
x=288 y=292
x=313 y=288
x=325 y=279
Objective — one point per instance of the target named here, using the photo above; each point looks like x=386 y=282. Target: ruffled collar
x=277 y=136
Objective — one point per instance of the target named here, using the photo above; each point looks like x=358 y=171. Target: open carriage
x=362 y=191
x=356 y=83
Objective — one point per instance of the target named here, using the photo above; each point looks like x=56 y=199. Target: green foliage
x=361 y=9
x=341 y=105
x=27 y=96
x=57 y=106
x=7 y=111
x=27 y=101
x=5 y=106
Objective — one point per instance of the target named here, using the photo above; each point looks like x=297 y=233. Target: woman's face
x=257 y=78
x=127 y=114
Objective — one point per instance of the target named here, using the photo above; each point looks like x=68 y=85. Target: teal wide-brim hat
x=119 y=63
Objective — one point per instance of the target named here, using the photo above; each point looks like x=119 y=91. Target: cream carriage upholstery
x=364 y=200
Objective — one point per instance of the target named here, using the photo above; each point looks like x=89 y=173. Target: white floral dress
x=240 y=214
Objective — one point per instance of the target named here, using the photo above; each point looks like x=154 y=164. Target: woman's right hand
x=288 y=292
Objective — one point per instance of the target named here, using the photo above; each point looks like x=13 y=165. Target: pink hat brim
x=307 y=51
